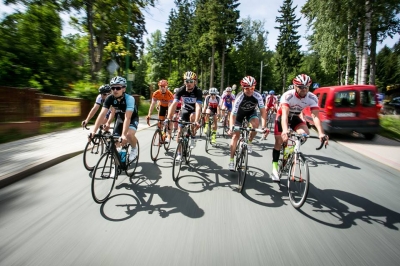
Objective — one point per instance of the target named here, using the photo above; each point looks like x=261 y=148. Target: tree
x=288 y=48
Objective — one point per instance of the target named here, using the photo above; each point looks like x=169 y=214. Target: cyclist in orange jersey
x=165 y=98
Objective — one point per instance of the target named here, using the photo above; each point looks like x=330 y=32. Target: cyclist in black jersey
x=126 y=114
x=191 y=97
x=245 y=106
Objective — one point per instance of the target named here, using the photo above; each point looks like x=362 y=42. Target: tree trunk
x=222 y=70
x=212 y=67
x=89 y=14
x=358 y=54
x=349 y=53
x=372 y=67
x=364 y=69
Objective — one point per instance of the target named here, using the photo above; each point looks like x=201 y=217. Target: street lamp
x=261 y=69
x=127 y=50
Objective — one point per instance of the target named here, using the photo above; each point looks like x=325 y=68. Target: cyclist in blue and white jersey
x=126 y=114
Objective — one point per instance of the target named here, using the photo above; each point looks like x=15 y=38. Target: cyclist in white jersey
x=104 y=91
x=291 y=105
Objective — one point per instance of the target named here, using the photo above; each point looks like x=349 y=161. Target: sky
x=265 y=10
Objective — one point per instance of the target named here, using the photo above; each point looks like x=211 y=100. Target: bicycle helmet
x=228 y=89
x=265 y=92
x=302 y=80
x=175 y=90
x=163 y=83
x=291 y=87
x=190 y=75
x=248 y=81
x=213 y=91
x=104 y=89
x=271 y=92
x=118 y=81
x=205 y=92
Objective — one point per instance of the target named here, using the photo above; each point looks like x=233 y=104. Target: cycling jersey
x=297 y=104
x=100 y=101
x=189 y=99
x=212 y=103
x=246 y=107
x=179 y=105
x=163 y=98
x=228 y=98
x=127 y=103
x=271 y=100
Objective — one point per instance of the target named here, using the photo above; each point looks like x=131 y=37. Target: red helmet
x=302 y=80
x=248 y=81
x=163 y=82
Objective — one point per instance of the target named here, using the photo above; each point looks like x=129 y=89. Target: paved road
x=352 y=216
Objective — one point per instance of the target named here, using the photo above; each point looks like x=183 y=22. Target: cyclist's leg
x=161 y=115
x=255 y=122
x=299 y=125
x=277 y=149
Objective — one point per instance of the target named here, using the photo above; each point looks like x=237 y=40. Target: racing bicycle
x=183 y=148
x=158 y=139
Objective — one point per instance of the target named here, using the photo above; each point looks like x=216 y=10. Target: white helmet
x=213 y=91
x=228 y=89
x=118 y=81
x=175 y=90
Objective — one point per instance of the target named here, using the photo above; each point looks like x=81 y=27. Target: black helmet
x=105 y=89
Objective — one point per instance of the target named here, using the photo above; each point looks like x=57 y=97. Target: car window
x=345 y=99
x=323 y=100
x=367 y=98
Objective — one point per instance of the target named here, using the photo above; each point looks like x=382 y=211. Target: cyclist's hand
x=166 y=122
x=266 y=132
x=106 y=127
x=148 y=120
x=90 y=136
x=84 y=123
x=123 y=140
x=284 y=135
x=197 y=125
x=324 y=138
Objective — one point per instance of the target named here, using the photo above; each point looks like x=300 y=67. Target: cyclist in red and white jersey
x=271 y=101
x=291 y=105
x=211 y=108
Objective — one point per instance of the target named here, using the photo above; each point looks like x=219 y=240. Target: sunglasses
x=302 y=87
x=213 y=94
x=116 y=88
x=189 y=81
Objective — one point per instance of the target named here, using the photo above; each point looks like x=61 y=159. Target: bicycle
x=202 y=125
x=241 y=153
x=270 y=118
x=294 y=164
x=175 y=117
x=158 y=140
x=93 y=149
x=183 y=147
x=209 y=132
x=109 y=166
x=225 y=123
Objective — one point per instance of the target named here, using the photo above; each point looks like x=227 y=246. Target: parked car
x=347 y=109
x=392 y=107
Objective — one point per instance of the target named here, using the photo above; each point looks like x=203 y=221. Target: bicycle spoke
x=298 y=181
x=103 y=179
x=155 y=145
x=177 y=164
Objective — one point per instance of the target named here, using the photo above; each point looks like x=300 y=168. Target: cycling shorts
x=294 y=122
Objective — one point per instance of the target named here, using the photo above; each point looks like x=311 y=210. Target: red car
x=347 y=109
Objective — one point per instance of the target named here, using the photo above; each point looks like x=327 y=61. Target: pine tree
x=288 y=48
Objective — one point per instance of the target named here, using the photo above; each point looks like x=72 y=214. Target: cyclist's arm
x=317 y=121
x=263 y=117
x=111 y=116
x=232 y=120
x=99 y=119
x=198 y=111
x=171 y=109
x=285 y=118
x=153 y=103
x=92 y=112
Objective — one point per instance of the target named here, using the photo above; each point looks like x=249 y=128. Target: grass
x=390 y=127
x=48 y=127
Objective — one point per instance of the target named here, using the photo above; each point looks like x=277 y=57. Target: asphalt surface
x=351 y=216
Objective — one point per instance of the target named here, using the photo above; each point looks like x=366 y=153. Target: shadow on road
x=340 y=209
x=315 y=160
x=144 y=189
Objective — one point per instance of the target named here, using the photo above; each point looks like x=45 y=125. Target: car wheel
x=369 y=136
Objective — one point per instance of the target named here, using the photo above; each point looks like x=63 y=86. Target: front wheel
x=103 y=179
x=93 y=150
x=298 y=181
x=241 y=167
x=155 y=145
x=177 y=162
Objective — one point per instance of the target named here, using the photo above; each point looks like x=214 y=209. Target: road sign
x=112 y=66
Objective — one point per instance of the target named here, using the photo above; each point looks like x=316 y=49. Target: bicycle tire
x=242 y=168
x=92 y=152
x=225 y=128
x=155 y=145
x=167 y=144
x=201 y=128
x=176 y=165
x=132 y=165
x=188 y=151
x=103 y=179
x=298 y=181
x=208 y=137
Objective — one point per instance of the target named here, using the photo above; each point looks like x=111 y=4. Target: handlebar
x=322 y=143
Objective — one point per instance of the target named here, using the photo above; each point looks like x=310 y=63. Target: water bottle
x=123 y=155
x=288 y=150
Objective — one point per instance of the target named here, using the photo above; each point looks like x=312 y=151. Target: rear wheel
x=92 y=152
x=208 y=137
x=132 y=164
x=155 y=145
x=103 y=179
x=177 y=164
x=298 y=181
x=242 y=168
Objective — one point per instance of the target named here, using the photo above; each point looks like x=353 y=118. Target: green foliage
x=84 y=89
x=390 y=127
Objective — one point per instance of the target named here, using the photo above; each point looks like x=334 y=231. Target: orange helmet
x=163 y=83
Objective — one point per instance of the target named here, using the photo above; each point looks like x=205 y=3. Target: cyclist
x=264 y=95
x=126 y=114
x=211 y=107
x=245 y=106
x=292 y=104
x=271 y=101
x=227 y=101
x=164 y=97
x=177 y=111
x=104 y=91
x=192 y=100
